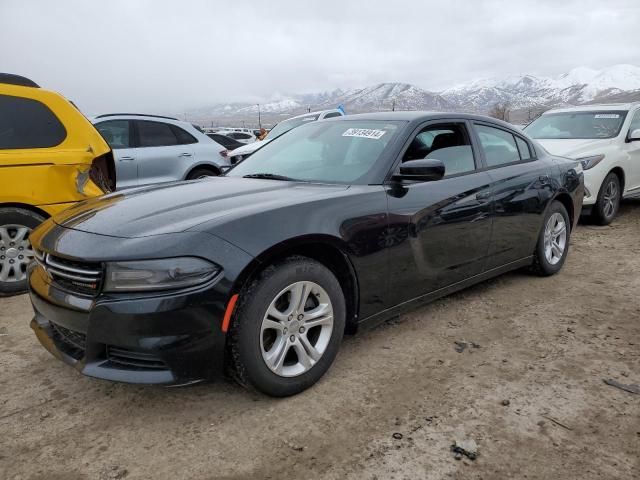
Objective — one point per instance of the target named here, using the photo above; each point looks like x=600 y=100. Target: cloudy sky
x=163 y=55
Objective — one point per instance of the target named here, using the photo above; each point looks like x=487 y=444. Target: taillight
x=103 y=172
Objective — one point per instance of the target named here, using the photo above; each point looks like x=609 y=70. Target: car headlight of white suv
x=590 y=161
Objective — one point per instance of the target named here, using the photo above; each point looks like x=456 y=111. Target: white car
x=606 y=140
x=154 y=149
x=241 y=153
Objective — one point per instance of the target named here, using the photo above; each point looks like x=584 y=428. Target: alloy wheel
x=296 y=329
x=610 y=199
x=555 y=238
x=15 y=252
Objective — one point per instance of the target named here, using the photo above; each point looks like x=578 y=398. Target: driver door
x=632 y=150
x=439 y=232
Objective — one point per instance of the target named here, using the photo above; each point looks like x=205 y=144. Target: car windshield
x=284 y=127
x=593 y=124
x=325 y=152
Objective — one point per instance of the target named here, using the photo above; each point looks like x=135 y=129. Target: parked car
x=242 y=137
x=153 y=149
x=606 y=139
x=281 y=128
x=337 y=225
x=227 y=142
x=50 y=158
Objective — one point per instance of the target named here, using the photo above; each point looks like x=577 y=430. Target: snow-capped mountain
x=580 y=85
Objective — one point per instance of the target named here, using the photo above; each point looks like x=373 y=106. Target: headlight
x=590 y=161
x=162 y=274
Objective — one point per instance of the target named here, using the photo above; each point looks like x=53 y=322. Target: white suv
x=281 y=128
x=606 y=139
x=153 y=149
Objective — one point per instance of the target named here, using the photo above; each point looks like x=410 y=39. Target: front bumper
x=170 y=339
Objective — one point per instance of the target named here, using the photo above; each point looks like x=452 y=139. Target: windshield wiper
x=270 y=176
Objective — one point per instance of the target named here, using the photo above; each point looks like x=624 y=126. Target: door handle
x=185 y=154
x=126 y=159
x=483 y=196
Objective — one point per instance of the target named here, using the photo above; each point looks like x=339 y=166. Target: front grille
x=133 y=360
x=69 y=341
x=72 y=275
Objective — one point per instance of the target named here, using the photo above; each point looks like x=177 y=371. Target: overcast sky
x=158 y=55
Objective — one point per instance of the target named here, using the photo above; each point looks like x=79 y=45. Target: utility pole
x=242 y=123
x=309 y=109
x=259 y=121
x=393 y=105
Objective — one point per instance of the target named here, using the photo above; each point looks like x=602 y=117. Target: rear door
x=160 y=155
x=439 y=231
x=119 y=135
x=522 y=187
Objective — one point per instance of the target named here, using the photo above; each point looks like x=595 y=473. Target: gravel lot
x=392 y=404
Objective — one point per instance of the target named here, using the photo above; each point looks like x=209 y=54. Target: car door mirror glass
x=425 y=170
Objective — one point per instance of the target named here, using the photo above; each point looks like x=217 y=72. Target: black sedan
x=227 y=142
x=338 y=225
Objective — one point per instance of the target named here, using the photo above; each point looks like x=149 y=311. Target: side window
x=332 y=114
x=27 y=123
x=448 y=143
x=523 y=149
x=635 y=122
x=155 y=134
x=117 y=133
x=499 y=146
x=184 y=137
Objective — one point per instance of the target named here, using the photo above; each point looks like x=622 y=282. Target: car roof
x=594 y=108
x=419 y=116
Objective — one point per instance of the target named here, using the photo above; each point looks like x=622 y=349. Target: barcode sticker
x=364 y=133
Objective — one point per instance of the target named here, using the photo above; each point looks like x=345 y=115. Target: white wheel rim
x=15 y=253
x=296 y=329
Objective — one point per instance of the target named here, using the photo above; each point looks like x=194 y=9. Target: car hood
x=249 y=148
x=575 y=148
x=176 y=207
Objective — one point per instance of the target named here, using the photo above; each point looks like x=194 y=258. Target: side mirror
x=634 y=135
x=425 y=170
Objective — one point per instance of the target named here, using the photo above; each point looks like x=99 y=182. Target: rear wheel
x=287 y=328
x=553 y=241
x=16 y=225
x=202 y=173
x=608 y=203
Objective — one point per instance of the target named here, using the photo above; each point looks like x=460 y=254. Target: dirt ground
x=392 y=404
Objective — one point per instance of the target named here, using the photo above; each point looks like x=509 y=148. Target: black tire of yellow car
x=26 y=218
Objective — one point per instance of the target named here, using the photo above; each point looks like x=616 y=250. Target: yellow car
x=51 y=157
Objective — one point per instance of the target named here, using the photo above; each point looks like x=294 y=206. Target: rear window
x=28 y=123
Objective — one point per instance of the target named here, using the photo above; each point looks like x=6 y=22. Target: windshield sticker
x=607 y=115
x=364 y=133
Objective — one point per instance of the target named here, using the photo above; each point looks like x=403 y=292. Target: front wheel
x=288 y=327
x=15 y=248
x=608 y=203
x=553 y=241
x=197 y=173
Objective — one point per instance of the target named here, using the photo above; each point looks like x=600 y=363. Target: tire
x=252 y=340
x=608 y=203
x=546 y=260
x=202 y=172
x=15 y=250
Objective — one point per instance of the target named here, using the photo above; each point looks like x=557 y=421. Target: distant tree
x=500 y=111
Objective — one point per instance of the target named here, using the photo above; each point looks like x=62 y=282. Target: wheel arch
x=325 y=249
x=565 y=199
x=25 y=206
x=619 y=171
x=204 y=166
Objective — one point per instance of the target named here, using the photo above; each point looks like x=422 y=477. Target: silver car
x=153 y=149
